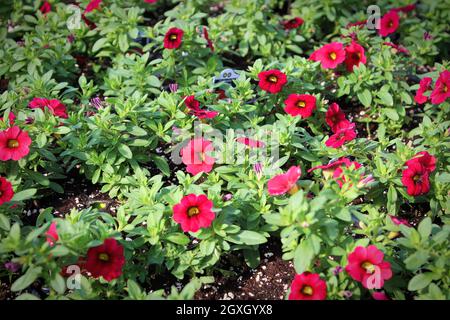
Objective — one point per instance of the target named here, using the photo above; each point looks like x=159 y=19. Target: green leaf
x=386 y=98
x=178 y=238
x=125 y=151
x=424 y=228
x=27 y=279
x=365 y=97
x=4 y=222
x=247 y=237
x=420 y=281
x=24 y=195
x=303 y=256
x=162 y=165
x=100 y=43
x=58 y=283
x=391 y=114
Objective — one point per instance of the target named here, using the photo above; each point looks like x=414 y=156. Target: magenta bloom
x=424 y=86
x=330 y=55
x=399 y=221
x=335 y=118
x=93 y=5
x=308 y=286
x=389 y=23
x=272 y=81
x=354 y=55
x=52 y=234
x=379 y=295
x=251 y=143
x=194 y=108
x=14 y=144
x=341 y=136
x=11 y=118
x=55 y=106
x=442 y=88
x=6 y=191
x=286 y=182
x=301 y=105
x=367 y=266
x=425 y=159
x=194 y=156
x=194 y=212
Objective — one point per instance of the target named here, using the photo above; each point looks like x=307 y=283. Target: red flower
x=193 y=212
x=389 y=23
x=335 y=118
x=272 y=80
x=405 y=9
x=206 y=36
x=251 y=143
x=6 y=191
x=106 y=260
x=308 y=286
x=194 y=108
x=354 y=55
x=292 y=23
x=356 y=24
x=91 y=25
x=366 y=265
x=194 y=156
x=425 y=159
x=424 y=86
x=14 y=144
x=330 y=55
x=94 y=4
x=397 y=47
x=379 y=295
x=150 y=1
x=416 y=179
x=334 y=170
x=46 y=7
x=300 y=105
x=285 y=182
x=442 y=88
x=341 y=136
x=173 y=38
x=11 y=118
x=339 y=175
x=398 y=221
x=55 y=106
x=52 y=234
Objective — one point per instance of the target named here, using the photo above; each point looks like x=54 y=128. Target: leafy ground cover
x=224 y=149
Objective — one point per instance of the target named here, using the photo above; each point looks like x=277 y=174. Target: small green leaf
x=365 y=97
x=125 y=151
x=27 y=279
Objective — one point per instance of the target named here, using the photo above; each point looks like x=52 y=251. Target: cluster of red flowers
x=333 y=54
x=416 y=177
x=365 y=265
x=439 y=94
x=194 y=108
x=343 y=130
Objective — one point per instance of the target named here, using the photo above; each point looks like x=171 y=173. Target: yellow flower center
x=416 y=178
x=293 y=190
x=273 y=79
x=173 y=37
x=193 y=211
x=368 y=267
x=103 y=256
x=13 y=143
x=307 y=290
x=333 y=56
x=301 y=104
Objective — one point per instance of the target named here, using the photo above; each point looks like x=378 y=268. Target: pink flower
x=286 y=182
x=308 y=286
x=424 y=86
x=93 y=5
x=399 y=221
x=52 y=234
x=405 y=9
x=150 y=1
x=11 y=118
x=55 y=106
x=341 y=136
x=367 y=266
x=251 y=143
x=272 y=81
x=379 y=295
x=6 y=191
x=194 y=156
x=14 y=144
x=397 y=47
x=416 y=179
x=193 y=212
x=389 y=23
x=330 y=55
x=442 y=88
x=46 y=7
x=425 y=159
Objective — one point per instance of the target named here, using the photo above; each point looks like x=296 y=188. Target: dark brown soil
x=269 y=281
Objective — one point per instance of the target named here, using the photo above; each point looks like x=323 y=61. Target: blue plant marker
x=227 y=75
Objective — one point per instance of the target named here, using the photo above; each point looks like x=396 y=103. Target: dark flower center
x=416 y=178
x=193 y=211
x=173 y=37
x=368 y=267
x=301 y=104
x=103 y=256
x=272 y=79
x=333 y=56
x=390 y=24
x=1 y=193
x=307 y=290
x=13 y=143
